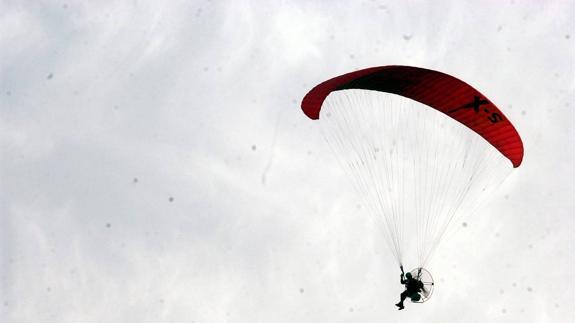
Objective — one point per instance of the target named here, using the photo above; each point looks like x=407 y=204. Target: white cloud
x=130 y=191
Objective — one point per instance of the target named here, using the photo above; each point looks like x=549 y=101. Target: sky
x=155 y=165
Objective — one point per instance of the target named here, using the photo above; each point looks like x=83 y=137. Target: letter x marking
x=474 y=105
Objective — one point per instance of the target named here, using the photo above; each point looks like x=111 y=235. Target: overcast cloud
x=156 y=166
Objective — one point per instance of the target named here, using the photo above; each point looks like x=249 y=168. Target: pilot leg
x=403 y=297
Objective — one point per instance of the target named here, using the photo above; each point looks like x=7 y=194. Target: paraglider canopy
x=440 y=91
x=422 y=148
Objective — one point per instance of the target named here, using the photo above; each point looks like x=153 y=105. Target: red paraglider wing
x=440 y=91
